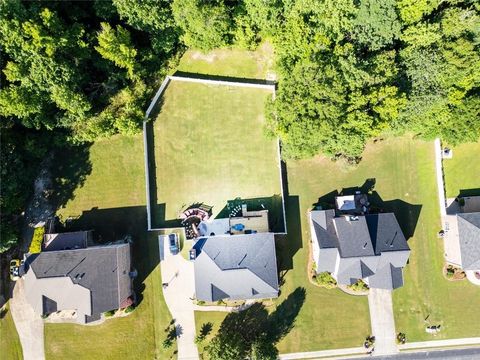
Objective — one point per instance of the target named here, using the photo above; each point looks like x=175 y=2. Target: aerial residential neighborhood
x=232 y=180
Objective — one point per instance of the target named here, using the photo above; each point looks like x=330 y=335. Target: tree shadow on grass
x=71 y=167
x=254 y=329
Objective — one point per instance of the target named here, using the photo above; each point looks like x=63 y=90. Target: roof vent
x=365 y=245
x=390 y=243
x=242 y=260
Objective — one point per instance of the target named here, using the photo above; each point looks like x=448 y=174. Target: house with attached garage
x=462 y=235
x=235 y=267
x=83 y=281
x=351 y=244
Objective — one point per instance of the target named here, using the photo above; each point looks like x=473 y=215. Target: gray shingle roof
x=103 y=270
x=236 y=267
x=371 y=246
x=469 y=237
x=66 y=241
x=353 y=237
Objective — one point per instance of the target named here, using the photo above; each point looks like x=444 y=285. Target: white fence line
x=147 y=176
x=270 y=87
x=158 y=94
x=439 y=174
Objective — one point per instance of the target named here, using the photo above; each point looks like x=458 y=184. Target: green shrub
x=37 y=240
x=358 y=286
x=326 y=280
x=129 y=309
x=109 y=313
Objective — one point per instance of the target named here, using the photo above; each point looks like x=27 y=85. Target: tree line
x=74 y=72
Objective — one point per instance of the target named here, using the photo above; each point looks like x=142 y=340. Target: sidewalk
x=440 y=343
x=361 y=352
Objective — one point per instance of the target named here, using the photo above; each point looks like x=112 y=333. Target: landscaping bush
x=37 y=240
x=129 y=309
x=109 y=313
x=358 y=286
x=450 y=272
x=326 y=280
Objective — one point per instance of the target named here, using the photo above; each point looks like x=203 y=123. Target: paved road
x=383 y=323
x=453 y=354
x=178 y=273
x=29 y=325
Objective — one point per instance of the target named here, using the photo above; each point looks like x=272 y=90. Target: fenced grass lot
x=210 y=147
x=462 y=171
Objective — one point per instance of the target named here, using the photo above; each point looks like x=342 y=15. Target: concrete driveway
x=178 y=274
x=29 y=325
x=383 y=323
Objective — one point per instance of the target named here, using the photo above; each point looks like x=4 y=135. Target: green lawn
x=112 y=202
x=230 y=62
x=10 y=347
x=462 y=172
x=427 y=297
x=210 y=147
x=403 y=170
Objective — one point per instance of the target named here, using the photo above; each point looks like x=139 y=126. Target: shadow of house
x=272 y=203
x=407 y=214
x=469 y=192
x=110 y=225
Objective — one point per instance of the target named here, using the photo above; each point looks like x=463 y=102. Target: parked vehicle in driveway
x=174 y=243
x=14 y=269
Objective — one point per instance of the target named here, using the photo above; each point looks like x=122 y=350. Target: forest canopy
x=348 y=71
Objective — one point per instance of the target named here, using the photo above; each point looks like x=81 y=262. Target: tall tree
x=442 y=62
x=205 y=24
x=116 y=45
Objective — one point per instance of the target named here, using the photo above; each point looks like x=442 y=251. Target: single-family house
x=371 y=247
x=87 y=281
x=462 y=233
x=235 y=267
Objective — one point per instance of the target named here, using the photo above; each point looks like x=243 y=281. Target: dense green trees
x=348 y=70
x=72 y=72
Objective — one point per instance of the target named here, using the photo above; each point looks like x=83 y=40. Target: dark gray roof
x=386 y=233
x=353 y=236
x=104 y=270
x=324 y=228
x=469 y=237
x=236 y=267
x=371 y=246
x=66 y=241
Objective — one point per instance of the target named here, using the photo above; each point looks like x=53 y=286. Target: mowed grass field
x=210 y=147
x=10 y=347
x=230 y=62
x=462 y=172
x=115 y=189
x=427 y=298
